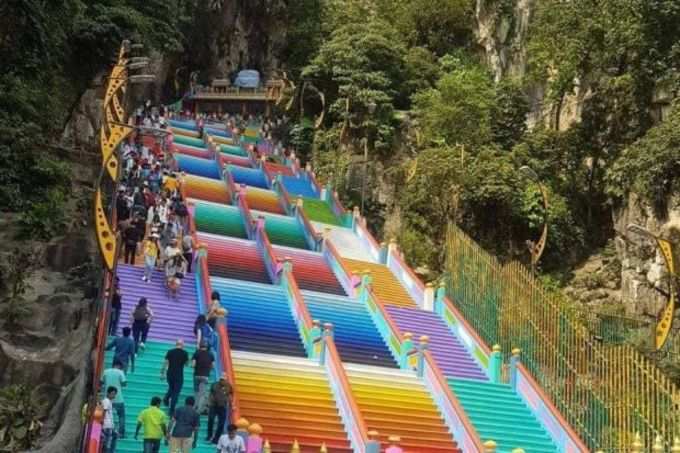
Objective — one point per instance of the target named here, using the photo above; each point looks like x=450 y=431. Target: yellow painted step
x=385 y=284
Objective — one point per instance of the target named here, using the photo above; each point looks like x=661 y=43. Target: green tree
x=509 y=114
x=459 y=109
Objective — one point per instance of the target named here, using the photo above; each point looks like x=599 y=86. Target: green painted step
x=143 y=384
x=283 y=230
x=219 y=219
x=233 y=150
x=319 y=211
x=499 y=414
x=184 y=140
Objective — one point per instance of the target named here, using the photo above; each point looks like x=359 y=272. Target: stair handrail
x=245 y=212
x=222 y=329
x=348 y=407
x=345 y=276
x=405 y=274
x=312 y=178
x=454 y=414
x=360 y=230
x=284 y=196
x=271 y=262
x=311 y=236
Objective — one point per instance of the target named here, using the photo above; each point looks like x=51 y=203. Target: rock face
x=644 y=277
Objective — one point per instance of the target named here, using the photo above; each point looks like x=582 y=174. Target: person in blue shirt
x=124 y=350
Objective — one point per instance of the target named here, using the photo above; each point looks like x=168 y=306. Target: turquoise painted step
x=219 y=219
x=143 y=384
x=499 y=414
x=283 y=230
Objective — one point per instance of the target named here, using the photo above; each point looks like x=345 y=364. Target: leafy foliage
x=19 y=423
x=13 y=281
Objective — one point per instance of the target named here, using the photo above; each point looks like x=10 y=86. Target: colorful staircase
x=173 y=318
x=395 y=402
x=290 y=396
x=356 y=336
x=206 y=189
x=143 y=384
x=234 y=258
x=345 y=241
x=319 y=211
x=264 y=200
x=449 y=353
x=385 y=285
x=296 y=185
x=249 y=176
x=499 y=414
x=260 y=319
x=198 y=166
x=219 y=219
x=311 y=270
x=283 y=230
x=191 y=141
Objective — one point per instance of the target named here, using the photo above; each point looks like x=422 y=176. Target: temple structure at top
x=247 y=93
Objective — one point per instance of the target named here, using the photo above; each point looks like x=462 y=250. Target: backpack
x=208 y=335
x=181 y=210
x=140 y=313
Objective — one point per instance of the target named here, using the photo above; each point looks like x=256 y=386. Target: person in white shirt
x=108 y=428
x=230 y=442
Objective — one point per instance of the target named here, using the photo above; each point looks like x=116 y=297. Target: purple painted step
x=173 y=318
x=451 y=356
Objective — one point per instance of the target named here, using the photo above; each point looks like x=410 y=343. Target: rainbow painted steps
x=173 y=318
x=203 y=153
x=264 y=200
x=198 y=166
x=345 y=241
x=282 y=230
x=311 y=270
x=292 y=399
x=229 y=159
x=299 y=185
x=319 y=211
x=219 y=219
x=451 y=356
x=396 y=402
x=249 y=176
x=192 y=141
x=143 y=384
x=233 y=150
x=356 y=336
x=385 y=285
x=499 y=414
x=206 y=189
x=234 y=258
x=260 y=319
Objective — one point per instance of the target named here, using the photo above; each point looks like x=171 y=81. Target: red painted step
x=311 y=270
x=234 y=258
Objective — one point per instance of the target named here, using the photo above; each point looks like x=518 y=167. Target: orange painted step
x=396 y=402
x=385 y=285
x=206 y=189
x=292 y=400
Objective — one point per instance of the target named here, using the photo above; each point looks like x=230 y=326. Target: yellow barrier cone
x=295 y=448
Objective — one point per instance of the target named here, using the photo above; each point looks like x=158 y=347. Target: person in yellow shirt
x=155 y=424
x=150 y=255
x=171 y=183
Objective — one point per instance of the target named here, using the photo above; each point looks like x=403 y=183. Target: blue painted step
x=356 y=337
x=498 y=413
x=260 y=319
x=299 y=186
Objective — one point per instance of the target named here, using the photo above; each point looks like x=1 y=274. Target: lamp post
x=371 y=110
x=664 y=323
x=536 y=248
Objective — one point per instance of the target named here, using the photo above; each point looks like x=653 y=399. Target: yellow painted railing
x=607 y=393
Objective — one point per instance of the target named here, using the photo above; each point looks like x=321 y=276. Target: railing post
x=356 y=215
x=514 y=367
x=428 y=297
x=658 y=445
x=495 y=364
x=295 y=448
x=323 y=448
x=366 y=280
x=406 y=349
x=637 y=446
x=286 y=269
x=392 y=248
x=267 y=447
x=489 y=446
x=676 y=445
x=439 y=298
x=327 y=332
x=315 y=338
x=422 y=347
x=299 y=202
x=383 y=253
x=373 y=444
x=259 y=224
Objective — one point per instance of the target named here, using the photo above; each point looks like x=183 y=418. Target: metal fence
x=608 y=392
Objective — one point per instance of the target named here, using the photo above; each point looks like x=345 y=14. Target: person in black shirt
x=116 y=307
x=173 y=370
x=202 y=362
x=130 y=239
